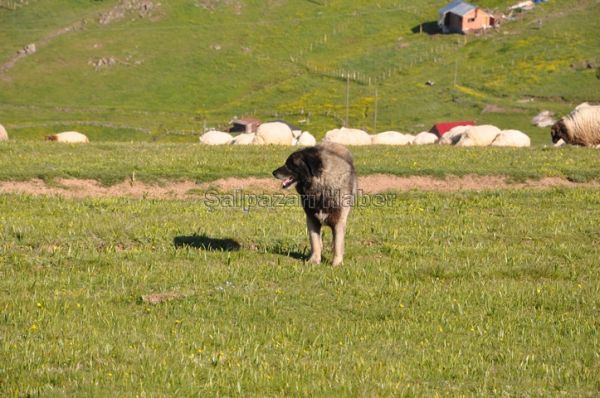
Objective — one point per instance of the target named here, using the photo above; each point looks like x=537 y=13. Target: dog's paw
x=314 y=260
x=337 y=261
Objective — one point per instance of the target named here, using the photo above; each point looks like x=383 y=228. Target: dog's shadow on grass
x=205 y=242
x=292 y=254
x=284 y=250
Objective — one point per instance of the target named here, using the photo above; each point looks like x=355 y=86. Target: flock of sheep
x=272 y=133
x=580 y=127
x=278 y=133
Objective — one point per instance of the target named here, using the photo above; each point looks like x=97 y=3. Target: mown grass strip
x=115 y=162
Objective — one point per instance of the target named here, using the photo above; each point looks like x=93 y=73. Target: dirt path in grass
x=78 y=188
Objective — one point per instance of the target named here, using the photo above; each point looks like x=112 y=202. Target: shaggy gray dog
x=326 y=181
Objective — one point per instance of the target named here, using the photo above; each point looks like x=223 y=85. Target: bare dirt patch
x=81 y=188
x=158 y=298
x=253 y=184
x=382 y=183
x=77 y=188
x=143 y=9
x=491 y=108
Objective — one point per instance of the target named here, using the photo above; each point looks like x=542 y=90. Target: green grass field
x=193 y=64
x=493 y=293
x=441 y=294
x=115 y=162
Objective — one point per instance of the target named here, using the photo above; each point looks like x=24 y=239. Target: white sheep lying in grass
x=425 y=138
x=479 y=135
x=244 y=139
x=514 y=138
x=584 y=105
x=214 y=137
x=580 y=127
x=453 y=135
x=70 y=137
x=306 y=139
x=390 y=138
x=273 y=133
x=347 y=136
x=3 y=133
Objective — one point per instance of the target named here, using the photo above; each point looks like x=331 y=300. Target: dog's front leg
x=314 y=235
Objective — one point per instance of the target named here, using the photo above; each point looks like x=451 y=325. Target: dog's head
x=559 y=131
x=300 y=166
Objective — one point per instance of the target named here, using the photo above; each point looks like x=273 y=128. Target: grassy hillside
x=190 y=64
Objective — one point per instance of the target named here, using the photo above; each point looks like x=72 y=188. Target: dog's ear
x=296 y=164
x=313 y=161
x=306 y=161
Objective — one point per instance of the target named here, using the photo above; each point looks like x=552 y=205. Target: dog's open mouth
x=288 y=182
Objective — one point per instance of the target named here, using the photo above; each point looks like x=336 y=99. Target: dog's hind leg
x=339 y=231
x=338 y=244
x=314 y=235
